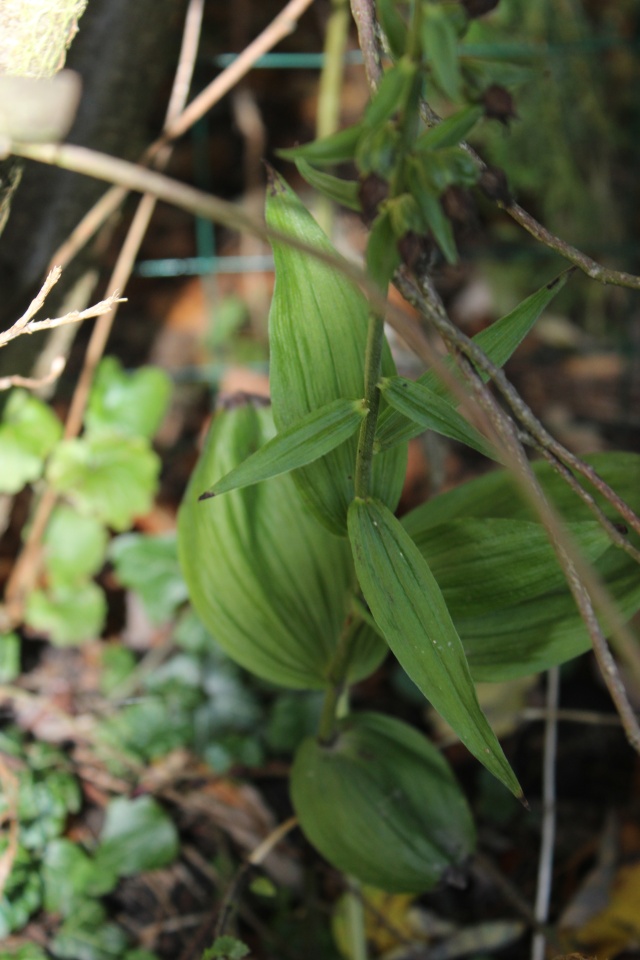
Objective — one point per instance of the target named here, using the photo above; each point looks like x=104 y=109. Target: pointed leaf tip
x=207 y=495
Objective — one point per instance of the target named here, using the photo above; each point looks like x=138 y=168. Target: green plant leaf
x=70 y=876
x=226 y=948
x=394 y=26
x=380 y=803
x=451 y=131
x=28 y=433
x=74 y=546
x=130 y=403
x=344 y=192
x=108 y=476
x=430 y=207
x=67 y=613
x=445 y=167
x=86 y=935
x=408 y=606
x=317 y=334
x=9 y=657
x=440 y=40
x=498 y=342
x=311 y=437
x=137 y=835
x=150 y=566
x=545 y=629
x=338 y=147
x=431 y=412
x=270 y=583
x=391 y=93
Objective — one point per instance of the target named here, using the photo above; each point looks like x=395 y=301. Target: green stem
x=337 y=677
x=330 y=91
x=372 y=370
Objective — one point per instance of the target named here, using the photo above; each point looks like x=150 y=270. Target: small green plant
x=287 y=536
x=103 y=479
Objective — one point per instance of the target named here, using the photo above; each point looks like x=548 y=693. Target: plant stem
x=372 y=369
x=330 y=92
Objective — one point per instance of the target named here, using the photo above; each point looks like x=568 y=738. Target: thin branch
x=548 y=835
x=27 y=325
x=365 y=18
x=35 y=383
x=279 y=28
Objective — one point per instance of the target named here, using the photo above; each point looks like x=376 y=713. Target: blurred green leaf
x=451 y=131
x=67 y=613
x=291 y=719
x=149 y=565
x=338 y=147
x=394 y=26
x=70 y=876
x=108 y=476
x=9 y=657
x=344 y=192
x=28 y=433
x=86 y=935
x=226 y=948
x=137 y=835
x=440 y=39
x=116 y=665
x=74 y=546
x=130 y=403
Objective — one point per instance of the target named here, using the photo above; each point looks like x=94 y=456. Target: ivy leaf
x=70 y=876
x=74 y=546
x=86 y=935
x=149 y=565
x=130 y=403
x=108 y=476
x=408 y=606
x=67 y=613
x=28 y=433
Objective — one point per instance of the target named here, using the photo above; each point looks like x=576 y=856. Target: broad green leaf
x=317 y=334
x=544 y=629
x=338 y=147
x=67 y=613
x=483 y=565
x=269 y=582
x=108 y=476
x=431 y=412
x=149 y=565
x=28 y=433
x=74 y=546
x=380 y=803
x=310 y=438
x=344 y=192
x=451 y=131
x=498 y=342
x=137 y=835
x=131 y=403
x=440 y=41
x=408 y=606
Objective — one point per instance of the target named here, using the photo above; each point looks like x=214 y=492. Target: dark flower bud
x=498 y=104
x=493 y=183
x=373 y=190
x=415 y=250
x=459 y=206
x=477 y=8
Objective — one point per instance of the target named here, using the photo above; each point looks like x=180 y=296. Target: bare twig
x=545 y=865
x=364 y=15
x=35 y=383
x=177 y=124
